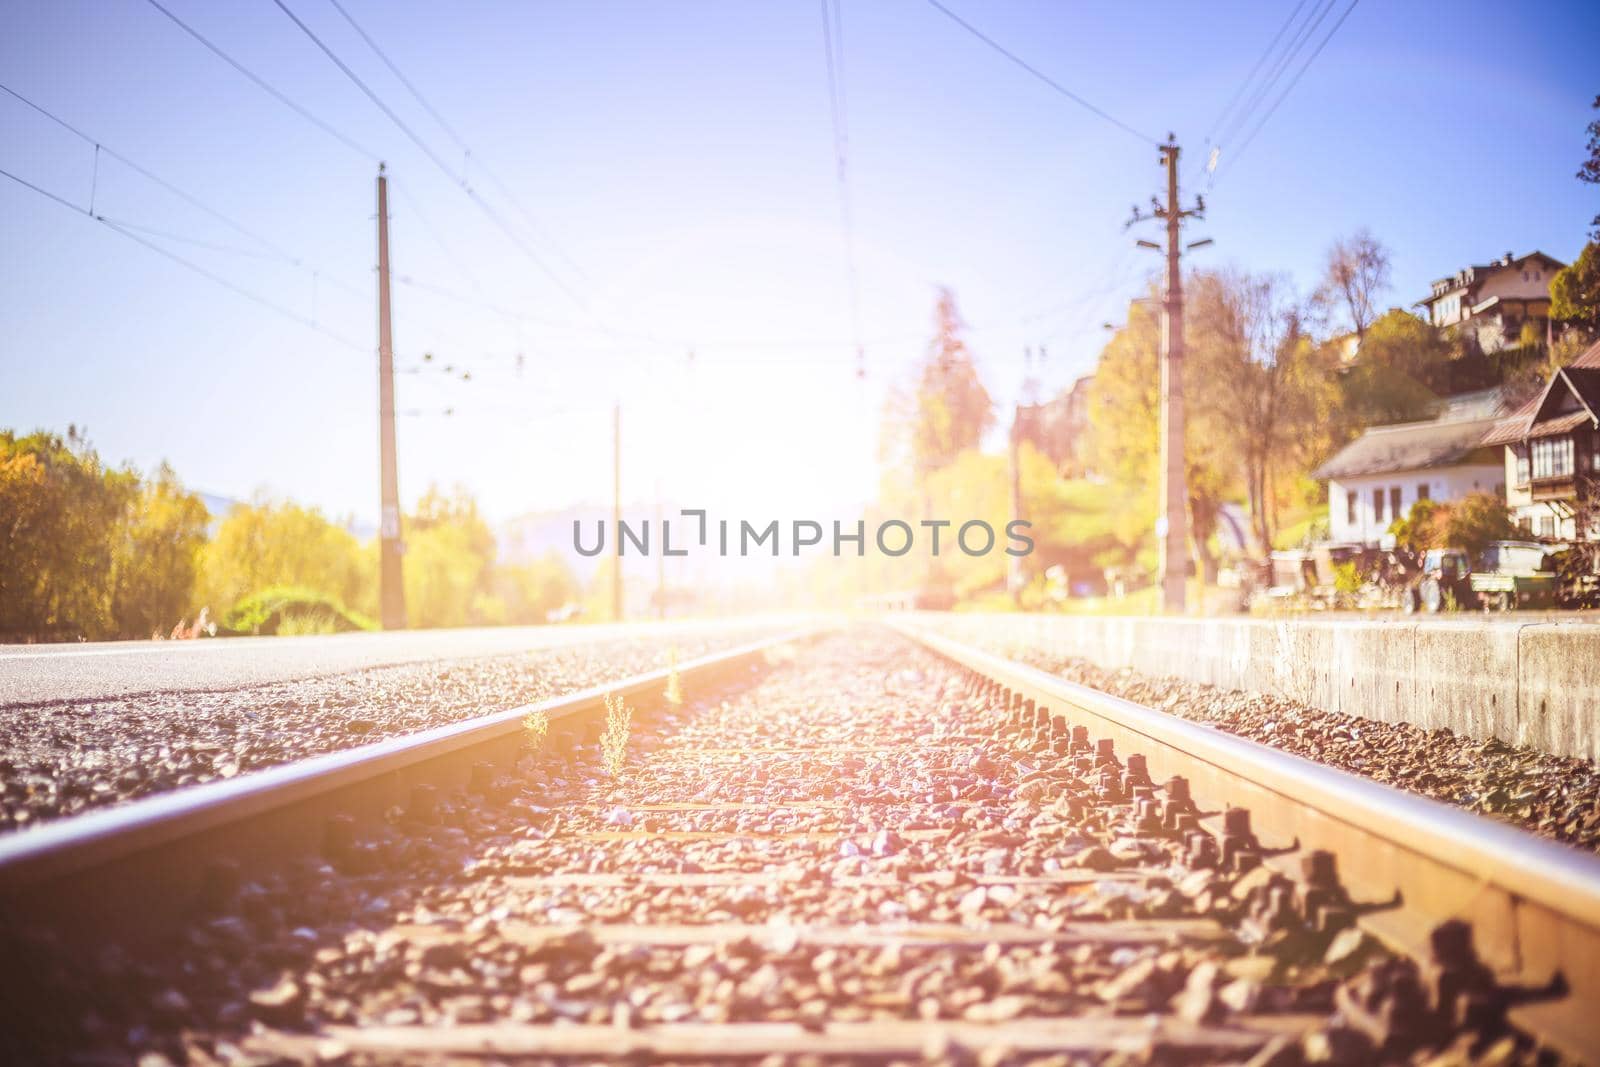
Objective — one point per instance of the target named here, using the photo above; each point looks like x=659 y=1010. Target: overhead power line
x=1293 y=82
x=832 y=40
x=186 y=197
x=1275 y=72
x=455 y=135
x=1039 y=74
x=262 y=83
x=218 y=279
x=433 y=156
x=1249 y=79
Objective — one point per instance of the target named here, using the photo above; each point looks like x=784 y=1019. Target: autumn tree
x=1589 y=171
x=1254 y=375
x=156 y=560
x=1384 y=382
x=1354 y=279
x=1575 y=291
x=1125 y=427
x=61 y=513
x=268 y=544
x=947 y=409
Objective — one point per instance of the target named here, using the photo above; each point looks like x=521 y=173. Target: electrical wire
x=1039 y=74
x=832 y=38
x=1275 y=72
x=1292 y=83
x=433 y=156
x=187 y=198
x=347 y=141
x=455 y=135
x=1256 y=69
x=188 y=264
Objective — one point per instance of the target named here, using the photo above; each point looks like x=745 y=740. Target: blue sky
x=678 y=162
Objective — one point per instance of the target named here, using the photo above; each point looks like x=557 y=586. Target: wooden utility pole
x=1014 y=580
x=661 y=558
x=616 y=509
x=391 y=590
x=1172 y=527
x=1174 y=534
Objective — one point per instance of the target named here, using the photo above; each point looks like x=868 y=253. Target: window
x=1522 y=464
x=1422 y=491
x=1394 y=502
x=1552 y=457
x=1352 y=506
x=1377 y=507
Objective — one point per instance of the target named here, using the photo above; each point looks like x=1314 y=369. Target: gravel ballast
x=1553 y=796
x=859 y=837
x=61 y=759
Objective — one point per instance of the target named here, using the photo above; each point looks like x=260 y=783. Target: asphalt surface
x=68 y=673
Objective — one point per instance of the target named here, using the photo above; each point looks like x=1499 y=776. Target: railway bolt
x=1323 y=899
x=1080 y=741
x=1105 y=753
x=1137 y=773
x=1241 y=851
x=1200 y=851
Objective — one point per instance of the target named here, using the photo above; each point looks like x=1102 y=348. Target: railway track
x=849 y=846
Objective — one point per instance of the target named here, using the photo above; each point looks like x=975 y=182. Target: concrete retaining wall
x=1526 y=683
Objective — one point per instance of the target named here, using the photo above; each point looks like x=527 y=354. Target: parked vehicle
x=1444 y=581
x=1514 y=574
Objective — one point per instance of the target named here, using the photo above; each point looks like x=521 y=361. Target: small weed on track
x=614 y=741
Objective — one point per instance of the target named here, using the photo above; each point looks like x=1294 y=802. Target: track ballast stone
x=861 y=855
x=62 y=759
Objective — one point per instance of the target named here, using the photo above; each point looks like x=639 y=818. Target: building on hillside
x=1059 y=428
x=1490 y=303
x=1376 y=478
x=1552 y=453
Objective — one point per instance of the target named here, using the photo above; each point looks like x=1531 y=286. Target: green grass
x=290 y=610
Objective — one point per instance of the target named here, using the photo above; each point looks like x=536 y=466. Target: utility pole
x=391 y=590
x=661 y=558
x=1172 y=527
x=1014 y=563
x=616 y=508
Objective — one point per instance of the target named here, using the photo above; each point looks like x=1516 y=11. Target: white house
x=1490 y=303
x=1376 y=478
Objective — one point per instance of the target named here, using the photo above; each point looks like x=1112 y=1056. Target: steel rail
x=137 y=868
x=1534 y=905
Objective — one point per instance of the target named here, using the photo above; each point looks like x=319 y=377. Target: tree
x=1575 y=291
x=1354 y=279
x=948 y=409
x=1384 y=383
x=449 y=559
x=1474 y=521
x=1253 y=377
x=1589 y=171
x=266 y=544
x=61 y=513
x=1125 y=427
x=157 y=557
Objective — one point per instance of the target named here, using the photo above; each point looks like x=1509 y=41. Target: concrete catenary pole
x=1172 y=527
x=616 y=510
x=391 y=588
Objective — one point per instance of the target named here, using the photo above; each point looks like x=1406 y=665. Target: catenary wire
x=1039 y=74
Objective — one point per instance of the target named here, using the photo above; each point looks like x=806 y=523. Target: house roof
x=1407 y=447
x=1582 y=375
x=1467 y=276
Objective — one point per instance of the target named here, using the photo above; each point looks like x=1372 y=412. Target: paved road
x=34 y=674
